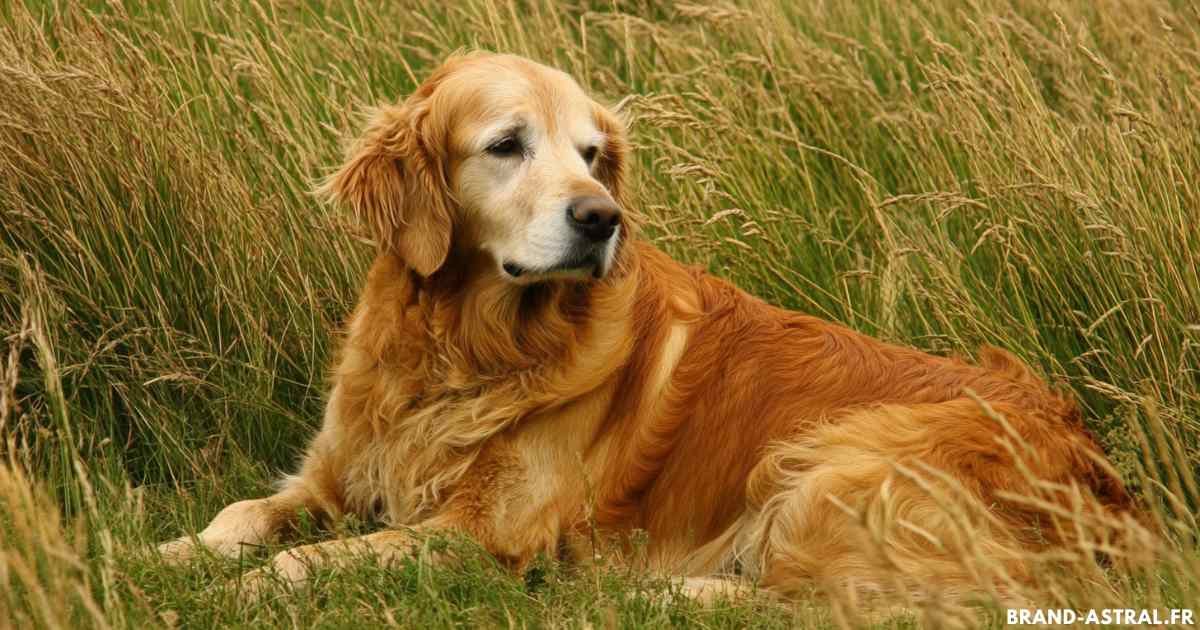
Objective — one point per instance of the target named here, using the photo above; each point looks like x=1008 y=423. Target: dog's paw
x=254 y=586
x=185 y=548
x=286 y=572
x=178 y=551
x=709 y=591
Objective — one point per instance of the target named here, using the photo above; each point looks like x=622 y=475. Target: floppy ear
x=395 y=184
x=610 y=165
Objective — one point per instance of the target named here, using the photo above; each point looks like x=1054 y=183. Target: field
x=942 y=174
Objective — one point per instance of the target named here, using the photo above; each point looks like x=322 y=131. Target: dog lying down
x=523 y=369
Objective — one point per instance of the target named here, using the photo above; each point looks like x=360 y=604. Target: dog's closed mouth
x=587 y=265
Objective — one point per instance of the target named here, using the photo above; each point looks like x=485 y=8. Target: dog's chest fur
x=510 y=466
x=414 y=421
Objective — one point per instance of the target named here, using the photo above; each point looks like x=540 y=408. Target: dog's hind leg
x=899 y=500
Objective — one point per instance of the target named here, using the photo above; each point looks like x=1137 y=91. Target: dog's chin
x=578 y=271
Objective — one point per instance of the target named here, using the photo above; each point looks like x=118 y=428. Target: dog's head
x=493 y=154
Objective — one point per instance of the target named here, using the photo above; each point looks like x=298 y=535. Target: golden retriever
x=523 y=369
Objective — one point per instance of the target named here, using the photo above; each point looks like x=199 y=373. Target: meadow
x=944 y=174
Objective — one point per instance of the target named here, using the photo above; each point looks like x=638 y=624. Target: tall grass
x=941 y=174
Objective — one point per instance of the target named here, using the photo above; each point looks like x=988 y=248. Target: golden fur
x=560 y=416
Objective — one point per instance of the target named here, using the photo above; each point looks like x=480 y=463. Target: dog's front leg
x=292 y=567
x=253 y=522
x=259 y=522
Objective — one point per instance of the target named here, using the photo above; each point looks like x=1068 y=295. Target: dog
x=522 y=368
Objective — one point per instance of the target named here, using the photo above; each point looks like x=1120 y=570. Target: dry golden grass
x=941 y=173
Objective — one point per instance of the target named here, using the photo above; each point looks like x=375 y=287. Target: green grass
x=943 y=174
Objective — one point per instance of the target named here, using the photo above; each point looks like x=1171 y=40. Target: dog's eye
x=506 y=147
x=589 y=154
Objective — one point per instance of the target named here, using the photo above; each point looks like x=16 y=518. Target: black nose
x=596 y=218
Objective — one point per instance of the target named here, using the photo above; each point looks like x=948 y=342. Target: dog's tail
x=941 y=499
